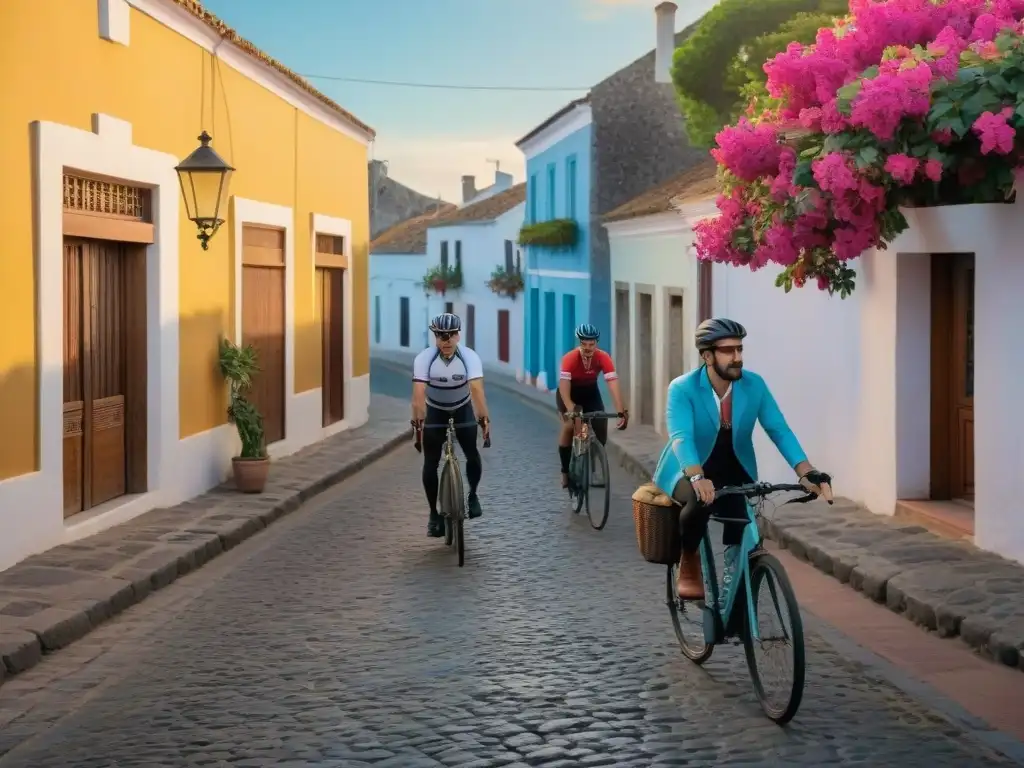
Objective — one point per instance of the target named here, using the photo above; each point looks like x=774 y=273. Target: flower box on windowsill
x=505 y=283
x=557 y=233
x=441 y=279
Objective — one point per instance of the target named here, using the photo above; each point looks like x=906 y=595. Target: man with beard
x=710 y=418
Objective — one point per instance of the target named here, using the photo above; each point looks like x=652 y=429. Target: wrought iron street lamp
x=205 y=179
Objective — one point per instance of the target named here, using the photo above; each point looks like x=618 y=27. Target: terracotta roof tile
x=410 y=236
x=554 y=118
x=486 y=210
x=195 y=7
x=694 y=183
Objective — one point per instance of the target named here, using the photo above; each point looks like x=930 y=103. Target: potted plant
x=505 y=283
x=556 y=233
x=250 y=467
x=441 y=279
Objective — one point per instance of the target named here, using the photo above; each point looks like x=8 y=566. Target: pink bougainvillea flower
x=749 y=151
x=901 y=167
x=933 y=169
x=834 y=173
x=995 y=134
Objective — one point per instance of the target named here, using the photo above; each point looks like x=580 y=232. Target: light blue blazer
x=692 y=418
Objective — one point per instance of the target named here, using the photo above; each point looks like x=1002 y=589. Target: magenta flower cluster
x=875 y=72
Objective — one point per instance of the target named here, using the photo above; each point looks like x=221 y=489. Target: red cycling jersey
x=581 y=375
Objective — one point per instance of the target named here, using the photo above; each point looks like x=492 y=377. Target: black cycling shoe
x=435 y=526
x=474 y=507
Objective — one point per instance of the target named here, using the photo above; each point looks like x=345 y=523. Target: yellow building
x=111 y=402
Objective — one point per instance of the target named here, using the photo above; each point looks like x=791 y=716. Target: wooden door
x=403 y=321
x=330 y=305
x=263 y=286
x=104 y=372
x=471 y=326
x=676 y=340
x=952 y=465
x=704 y=287
x=503 y=333
x=645 y=356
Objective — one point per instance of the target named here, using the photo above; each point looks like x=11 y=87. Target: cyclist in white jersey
x=448 y=382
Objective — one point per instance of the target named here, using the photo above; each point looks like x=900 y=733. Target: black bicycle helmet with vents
x=446 y=322
x=712 y=331
x=587 y=332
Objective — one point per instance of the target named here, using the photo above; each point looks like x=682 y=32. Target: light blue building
x=558 y=285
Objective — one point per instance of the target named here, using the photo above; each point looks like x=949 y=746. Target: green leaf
x=811 y=151
x=940 y=108
x=837 y=142
x=970 y=74
x=983 y=100
x=957 y=125
x=867 y=156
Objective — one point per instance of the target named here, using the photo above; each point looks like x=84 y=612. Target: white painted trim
x=279 y=216
x=697 y=210
x=578 y=117
x=558 y=273
x=35 y=502
x=115 y=21
x=177 y=19
x=655 y=224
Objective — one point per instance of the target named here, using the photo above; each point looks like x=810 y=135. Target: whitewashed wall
x=853 y=376
x=393 y=276
x=483 y=249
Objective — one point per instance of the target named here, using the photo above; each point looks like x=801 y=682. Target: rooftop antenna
x=497 y=164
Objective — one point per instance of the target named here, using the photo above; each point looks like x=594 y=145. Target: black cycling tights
x=433 y=448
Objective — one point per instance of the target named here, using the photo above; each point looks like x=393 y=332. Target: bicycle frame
x=718 y=615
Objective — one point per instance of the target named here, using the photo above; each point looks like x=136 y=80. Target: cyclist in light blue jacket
x=710 y=418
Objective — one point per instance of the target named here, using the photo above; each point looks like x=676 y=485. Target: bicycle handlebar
x=594 y=415
x=419 y=427
x=760 y=490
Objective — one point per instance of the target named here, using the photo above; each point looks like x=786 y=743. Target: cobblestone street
x=342 y=636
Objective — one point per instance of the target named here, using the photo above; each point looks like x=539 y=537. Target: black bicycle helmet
x=587 y=332
x=446 y=322
x=712 y=331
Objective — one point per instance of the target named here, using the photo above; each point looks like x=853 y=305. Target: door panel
x=330 y=286
x=471 y=326
x=503 y=332
x=263 y=327
x=963 y=377
x=74 y=411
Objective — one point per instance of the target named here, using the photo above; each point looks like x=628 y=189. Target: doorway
x=676 y=345
x=470 y=325
x=330 y=286
x=568 y=322
x=105 y=409
x=403 y=321
x=952 y=349
x=534 y=332
x=263 y=296
x=550 y=340
x=503 y=334
x=645 y=356
x=704 y=287
x=623 y=341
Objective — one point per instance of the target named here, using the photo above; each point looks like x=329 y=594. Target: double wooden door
x=104 y=372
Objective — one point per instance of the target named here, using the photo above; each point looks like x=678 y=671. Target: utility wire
x=446 y=86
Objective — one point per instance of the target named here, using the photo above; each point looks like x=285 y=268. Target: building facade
x=657 y=284
x=399 y=303
x=110 y=393
x=558 y=287
x=479 y=240
x=889 y=401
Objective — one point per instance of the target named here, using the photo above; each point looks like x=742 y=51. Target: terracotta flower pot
x=250 y=474
x=439 y=286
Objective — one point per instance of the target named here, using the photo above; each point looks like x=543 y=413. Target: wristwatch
x=695 y=479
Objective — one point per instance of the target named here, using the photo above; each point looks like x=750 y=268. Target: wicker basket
x=656 y=518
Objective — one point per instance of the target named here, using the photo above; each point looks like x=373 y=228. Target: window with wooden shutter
x=444 y=254
x=509 y=266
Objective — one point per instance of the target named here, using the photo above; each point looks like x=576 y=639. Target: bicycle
x=588 y=452
x=451 y=492
x=723 y=619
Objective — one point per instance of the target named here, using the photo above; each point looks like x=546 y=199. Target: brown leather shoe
x=690 y=584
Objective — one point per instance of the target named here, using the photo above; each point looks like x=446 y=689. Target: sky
x=431 y=137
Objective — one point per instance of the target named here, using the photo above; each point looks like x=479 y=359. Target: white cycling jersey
x=447 y=380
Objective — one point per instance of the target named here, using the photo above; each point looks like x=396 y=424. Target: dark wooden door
x=403 y=322
x=263 y=286
x=330 y=300
x=952 y=459
x=471 y=326
x=503 y=333
x=104 y=372
x=704 y=288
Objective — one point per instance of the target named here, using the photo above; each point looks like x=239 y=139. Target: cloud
x=436 y=165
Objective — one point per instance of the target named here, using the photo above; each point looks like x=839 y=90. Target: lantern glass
x=205 y=184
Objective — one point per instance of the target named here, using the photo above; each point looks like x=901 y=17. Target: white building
x=880 y=387
x=399 y=307
x=657 y=299
x=479 y=239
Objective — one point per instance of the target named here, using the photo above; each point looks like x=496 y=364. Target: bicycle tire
x=582 y=481
x=597 y=451
x=698 y=654
x=767 y=564
x=444 y=502
x=460 y=541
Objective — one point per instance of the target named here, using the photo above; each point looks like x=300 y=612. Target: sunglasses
x=444 y=335
x=729 y=349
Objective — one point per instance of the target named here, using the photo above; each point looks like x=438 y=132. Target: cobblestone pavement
x=950 y=587
x=344 y=637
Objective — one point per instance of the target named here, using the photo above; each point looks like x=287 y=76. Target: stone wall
x=392 y=202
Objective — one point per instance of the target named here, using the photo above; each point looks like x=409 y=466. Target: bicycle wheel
x=454 y=530
x=687 y=620
x=581 y=480
x=767 y=571
x=597 y=508
x=444 y=502
x=460 y=542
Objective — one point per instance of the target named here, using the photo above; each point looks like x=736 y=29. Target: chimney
x=468 y=188
x=502 y=181
x=665 y=16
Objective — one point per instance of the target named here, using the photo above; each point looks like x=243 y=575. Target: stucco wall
x=853 y=377
x=392 y=277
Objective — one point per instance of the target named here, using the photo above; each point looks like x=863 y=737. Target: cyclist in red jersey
x=578 y=391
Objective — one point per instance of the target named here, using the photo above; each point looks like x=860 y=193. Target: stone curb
x=1000 y=640
x=106 y=597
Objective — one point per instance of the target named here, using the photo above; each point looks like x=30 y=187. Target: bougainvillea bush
x=902 y=103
